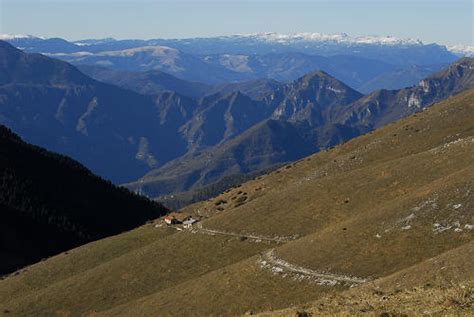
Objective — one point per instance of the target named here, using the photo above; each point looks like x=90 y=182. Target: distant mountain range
x=359 y=62
x=151 y=82
x=50 y=203
x=399 y=78
x=52 y=104
x=195 y=137
x=259 y=43
x=314 y=112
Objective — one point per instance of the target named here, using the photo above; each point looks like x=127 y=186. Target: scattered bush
x=220 y=202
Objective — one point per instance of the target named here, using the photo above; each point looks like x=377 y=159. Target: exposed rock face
x=384 y=106
x=312 y=99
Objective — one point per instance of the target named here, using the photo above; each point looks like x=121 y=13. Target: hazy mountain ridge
x=147 y=83
x=294 y=110
x=224 y=68
x=173 y=130
x=110 y=129
x=397 y=50
x=319 y=112
x=384 y=106
x=355 y=61
x=399 y=78
x=264 y=145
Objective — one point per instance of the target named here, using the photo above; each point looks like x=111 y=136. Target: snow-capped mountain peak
x=323 y=37
x=7 y=37
x=462 y=50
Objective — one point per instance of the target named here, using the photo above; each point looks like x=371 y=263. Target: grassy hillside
x=337 y=183
x=174 y=267
x=439 y=286
x=387 y=214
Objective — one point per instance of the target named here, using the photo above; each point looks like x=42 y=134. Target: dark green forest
x=54 y=203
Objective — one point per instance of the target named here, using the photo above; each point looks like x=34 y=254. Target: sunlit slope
x=441 y=286
x=353 y=179
x=372 y=206
x=151 y=271
x=151 y=267
x=232 y=290
x=430 y=220
x=76 y=261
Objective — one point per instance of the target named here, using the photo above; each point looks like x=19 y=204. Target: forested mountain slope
x=50 y=203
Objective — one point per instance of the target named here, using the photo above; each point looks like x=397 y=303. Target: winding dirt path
x=200 y=229
x=277 y=265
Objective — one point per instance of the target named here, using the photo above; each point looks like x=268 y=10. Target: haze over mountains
x=355 y=61
x=51 y=103
x=318 y=112
x=184 y=135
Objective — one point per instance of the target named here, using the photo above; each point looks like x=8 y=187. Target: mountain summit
x=17 y=67
x=51 y=103
x=312 y=99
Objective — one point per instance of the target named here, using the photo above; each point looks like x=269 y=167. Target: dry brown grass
x=440 y=286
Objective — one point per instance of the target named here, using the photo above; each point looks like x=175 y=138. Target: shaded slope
x=50 y=203
x=236 y=135
x=255 y=89
x=264 y=145
x=24 y=241
x=312 y=99
x=222 y=118
x=117 y=133
x=18 y=67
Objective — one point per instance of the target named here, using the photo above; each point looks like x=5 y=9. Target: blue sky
x=441 y=21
